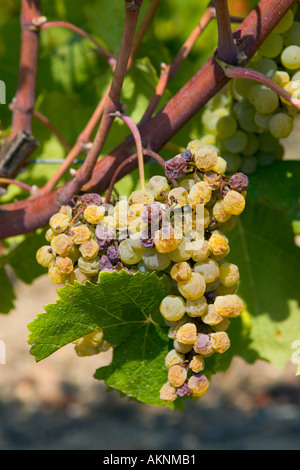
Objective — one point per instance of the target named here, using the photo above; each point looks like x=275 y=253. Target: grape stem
x=25 y=95
x=169 y=71
x=138 y=141
x=232 y=71
x=226 y=46
x=26 y=187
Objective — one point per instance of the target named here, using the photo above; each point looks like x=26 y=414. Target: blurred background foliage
x=72 y=78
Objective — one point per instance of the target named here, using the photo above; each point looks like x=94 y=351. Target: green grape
x=252 y=146
x=265 y=159
x=233 y=161
x=45 y=256
x=209 y=120
x=267 y=142
x=220 y=100
x=281 y=125
x=264 y=99
x=247 y=120
x=90 y=267
x=262 y=120
x=281 y=77
x=285 y=23
x=249 y=165
x=266 y=66
x=172 y=308
x=242 y=86
x=226 y=127
x=290 y=57
x=208 y=140
x=236 y=143
x=296 y=76
x=292 y=36
x=272 y=45
x=154 y=260
x=242 y=106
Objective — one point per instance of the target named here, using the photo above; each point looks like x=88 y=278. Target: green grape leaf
x=22 y=258
x=7 y=296
x=279 y=184
x=262 y=245
x=126 y=307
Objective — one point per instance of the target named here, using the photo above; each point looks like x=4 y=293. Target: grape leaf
x=126 y=307
x=7 y=296
x=279 y=184
x=22 y=258
x=262 y=246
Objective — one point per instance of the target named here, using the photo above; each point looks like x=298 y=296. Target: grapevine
x=190 y=265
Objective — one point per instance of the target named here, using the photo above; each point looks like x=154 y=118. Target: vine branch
x=232 y=71
x=28 y=215
x=226 y=46
x=25 y=95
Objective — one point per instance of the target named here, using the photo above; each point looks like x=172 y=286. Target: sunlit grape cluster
x=247 y=123
x=176 y=226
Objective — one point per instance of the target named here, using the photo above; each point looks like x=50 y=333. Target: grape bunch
x=176 y=227
x=247 y=123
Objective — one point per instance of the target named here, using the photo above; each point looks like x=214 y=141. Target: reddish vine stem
x=21 y=185
x=169 y=71
x=138 y=142
x=143 y=28
x=226 y=47
x=112 y=103
x=28 y=215
x=110 y=57
x=25 y=95
x=232 y=71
